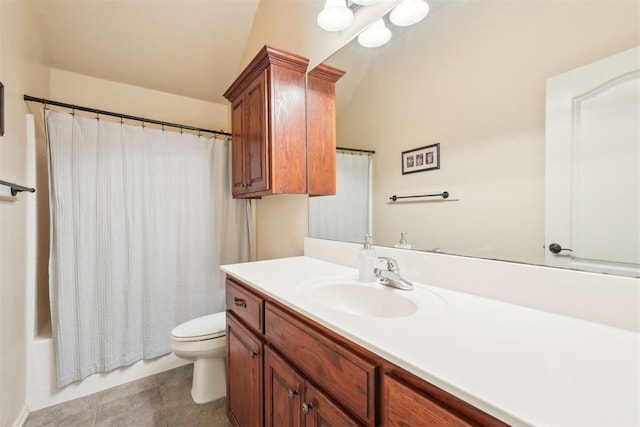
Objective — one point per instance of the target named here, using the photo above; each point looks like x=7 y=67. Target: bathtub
x=41 y=376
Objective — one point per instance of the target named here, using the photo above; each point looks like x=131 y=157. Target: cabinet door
x=283 y=390
x=256 y=164
x=403 y=406
x=244 y=368
x=238 y=186
x=319 y=411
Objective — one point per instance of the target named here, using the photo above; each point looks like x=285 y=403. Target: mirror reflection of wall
x=472 y=77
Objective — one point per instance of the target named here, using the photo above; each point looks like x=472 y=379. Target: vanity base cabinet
x=285 y=370
x=292 y=401
x=244 y=366
x=283 y=389
x=402 y=405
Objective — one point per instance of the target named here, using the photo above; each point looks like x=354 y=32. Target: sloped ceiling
x=191 y=48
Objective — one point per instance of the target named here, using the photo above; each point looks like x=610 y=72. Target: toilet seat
x=201 y=328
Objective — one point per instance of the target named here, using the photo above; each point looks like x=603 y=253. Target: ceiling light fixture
x=335 y=16
x=409 y=12
x=376 y=35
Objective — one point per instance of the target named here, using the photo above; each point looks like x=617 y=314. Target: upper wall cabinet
x=269 y=154
x=321 y=129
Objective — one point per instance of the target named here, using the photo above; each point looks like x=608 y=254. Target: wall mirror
x=472 y=77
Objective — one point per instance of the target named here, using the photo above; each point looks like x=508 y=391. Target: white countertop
x=523 y=366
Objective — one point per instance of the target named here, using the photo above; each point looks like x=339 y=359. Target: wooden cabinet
x=321 y=129
x=284 y=369
x=292 y=401
x=398 y=397
x=244 y=366
x=268 y=114
x=349 y=378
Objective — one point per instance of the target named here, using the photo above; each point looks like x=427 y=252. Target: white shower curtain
x=141 y=220
x=345 y=216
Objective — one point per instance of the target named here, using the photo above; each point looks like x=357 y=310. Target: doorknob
x=555 y=248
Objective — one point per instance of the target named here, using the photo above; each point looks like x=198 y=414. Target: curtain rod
x=122 y=116
x=356 y=150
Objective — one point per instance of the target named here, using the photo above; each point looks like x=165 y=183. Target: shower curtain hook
x=162 y=126
x=73 y=110
x=45 y=104
x=97 y=115
x=142 y=123
x=121 y=119
x=181 y=130
x=199 y=133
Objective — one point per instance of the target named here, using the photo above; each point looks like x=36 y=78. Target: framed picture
x=1 y=109
x=421 y=159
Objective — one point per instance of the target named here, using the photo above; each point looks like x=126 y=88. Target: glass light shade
x=409 y=12
x=335 y=16
x=365 y=2
x=376 y=35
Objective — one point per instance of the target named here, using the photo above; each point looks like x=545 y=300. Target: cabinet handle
x=239 y=302
x=306 y=407
x=556 y=248
x=253 y=353
x=292 y=393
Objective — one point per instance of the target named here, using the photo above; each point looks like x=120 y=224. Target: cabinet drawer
x=404 y=406
x=247 y=306
x=346 y=377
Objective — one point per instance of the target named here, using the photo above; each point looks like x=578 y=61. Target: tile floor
x=162 y=400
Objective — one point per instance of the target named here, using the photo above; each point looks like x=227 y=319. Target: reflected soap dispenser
x=403 y=243
x=367 y=261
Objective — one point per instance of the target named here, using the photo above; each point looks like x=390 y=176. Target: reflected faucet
x=391 y=276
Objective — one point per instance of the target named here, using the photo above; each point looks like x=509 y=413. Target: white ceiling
x=187 y=47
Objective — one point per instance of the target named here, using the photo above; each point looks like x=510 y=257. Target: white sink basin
x=365 y=299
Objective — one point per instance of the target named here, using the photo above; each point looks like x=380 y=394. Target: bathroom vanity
x=309 y=345
x=285 y=369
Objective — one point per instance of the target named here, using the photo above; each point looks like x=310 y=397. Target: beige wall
x=474 y=80
x=281 y=221
x=19 y=54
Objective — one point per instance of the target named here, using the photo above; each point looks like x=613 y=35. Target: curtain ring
x=97 y=115
x=142 y=123
x=181 y=130
x=162 y=126
x=73 y=110
x=199 y=133
x=121 y=119
x=45 y=104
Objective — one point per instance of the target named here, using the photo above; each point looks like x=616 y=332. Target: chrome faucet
x=391 y=276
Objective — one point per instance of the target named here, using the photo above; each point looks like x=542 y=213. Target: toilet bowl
x=203 y=340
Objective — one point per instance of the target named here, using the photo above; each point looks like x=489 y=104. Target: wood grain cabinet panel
x=246 y=305
x=348 y=378
x=293 y=401
x=403 y=406
x=244 y=367
x=321 y=129
x=269 y=123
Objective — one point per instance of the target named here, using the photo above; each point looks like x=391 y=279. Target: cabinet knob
x=306 y=407
x=292 y=393
x=253 y=353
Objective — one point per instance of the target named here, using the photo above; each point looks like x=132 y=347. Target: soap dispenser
x=403 y=243
x=367 y=261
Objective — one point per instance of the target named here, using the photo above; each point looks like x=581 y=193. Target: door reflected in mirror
x=472 y=77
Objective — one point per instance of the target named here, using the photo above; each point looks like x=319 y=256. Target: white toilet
x=203 y=340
